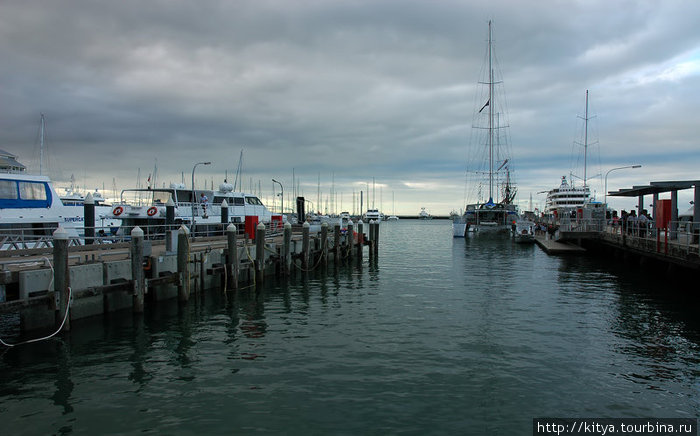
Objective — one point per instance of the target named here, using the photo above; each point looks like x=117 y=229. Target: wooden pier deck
x=53 y=286
x=551 y=246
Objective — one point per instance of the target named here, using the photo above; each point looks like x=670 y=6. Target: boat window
x=219 y=200
x=32 y=191
x=238 y=201
x=8 y=189
x=184 y=196
x=161 y=197
x=253 y=200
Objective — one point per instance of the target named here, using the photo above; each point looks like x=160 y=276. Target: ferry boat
x=30 y=207
x=492 y=215
x=566 y=198
x=373 y=215
x=146 y=207
x=75 y=201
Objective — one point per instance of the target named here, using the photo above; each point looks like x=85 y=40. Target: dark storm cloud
x=353 y=89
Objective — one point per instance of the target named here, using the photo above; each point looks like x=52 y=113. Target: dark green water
x=441 y=336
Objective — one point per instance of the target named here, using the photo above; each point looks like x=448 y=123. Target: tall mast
x=41 y=148
x=490 y=119
x=585 y=143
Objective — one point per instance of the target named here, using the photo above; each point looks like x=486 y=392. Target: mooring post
x=375 y=240
x=336 y=243
x=371 y=239
x=183 y=253
x=137 y=273
x=324 y=243
x=89 y=221
x=224 y=213
x=305 y=245
x=169 y=224
x=259 y=254
x=232 y=260
x=286 y=247
x=61 y=277
x=350 y=239
x=360 y=240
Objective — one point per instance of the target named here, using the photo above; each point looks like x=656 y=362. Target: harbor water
x=439 y=336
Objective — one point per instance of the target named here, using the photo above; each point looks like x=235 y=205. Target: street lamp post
x=194 y=198
x=282 y=197
x=606 y=180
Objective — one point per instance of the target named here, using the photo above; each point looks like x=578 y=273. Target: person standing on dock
x=204 y=200
x=643 y=223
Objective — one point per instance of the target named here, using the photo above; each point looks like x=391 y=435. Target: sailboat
x=489 y=124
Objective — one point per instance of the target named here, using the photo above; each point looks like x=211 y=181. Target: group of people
x=631 y=223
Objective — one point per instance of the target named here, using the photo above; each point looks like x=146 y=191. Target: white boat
x=424 y=215
x=392 y=218
x=373 y=215
x=566 y=199
x=524 y=232
x=496 y=214
x=75 y=201
x=30 y=208
x=146 y=207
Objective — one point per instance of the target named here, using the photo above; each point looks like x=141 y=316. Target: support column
x=89 y=219
x=137 y=273
x=232 y=259
x=61 y=277
x=183 y=253
x=673 y=233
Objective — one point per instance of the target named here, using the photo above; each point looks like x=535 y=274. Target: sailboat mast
x=585 y=143
x=41 y=147
x=490 y=118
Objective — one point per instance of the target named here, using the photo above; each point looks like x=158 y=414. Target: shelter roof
x=655 y=188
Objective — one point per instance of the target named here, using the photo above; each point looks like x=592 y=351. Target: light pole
x=194 y=198
x=606 y=180
x=281 y=196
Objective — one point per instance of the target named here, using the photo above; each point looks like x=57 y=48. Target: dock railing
x=680 y=237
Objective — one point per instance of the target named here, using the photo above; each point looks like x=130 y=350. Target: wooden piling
x=89 y=219
x=183 y=254
x=360 y=241
x=371 y=239
x=375 y=242
x=286 y=247
x=350 y=239
x=61 y=277
x=224 y=212
x=305 y=245
x=232 y=259
x=137 y=273
x=259 y=254
x=324 y=243
x=169 y=224
x=336 y=243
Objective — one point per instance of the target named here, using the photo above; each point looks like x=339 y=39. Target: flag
x=484 y=106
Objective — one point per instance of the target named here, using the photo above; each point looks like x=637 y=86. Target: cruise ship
x=565 y=198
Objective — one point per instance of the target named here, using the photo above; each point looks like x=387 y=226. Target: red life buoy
x=152 y=211
x=118 y=211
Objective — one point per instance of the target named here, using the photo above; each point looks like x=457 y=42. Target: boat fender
x=117 y=211
x=152 y=211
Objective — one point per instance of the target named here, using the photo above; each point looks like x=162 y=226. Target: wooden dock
x=50 y=289
x=551 y=246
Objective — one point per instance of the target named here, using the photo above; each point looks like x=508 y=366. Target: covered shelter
x=656 y=188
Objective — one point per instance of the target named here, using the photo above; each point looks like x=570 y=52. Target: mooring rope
x=65 y=317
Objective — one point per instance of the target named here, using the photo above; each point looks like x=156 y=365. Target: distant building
x=9 y=164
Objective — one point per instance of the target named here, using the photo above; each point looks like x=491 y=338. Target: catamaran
x=490 y=124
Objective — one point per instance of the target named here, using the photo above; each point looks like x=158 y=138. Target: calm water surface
x=440 y=336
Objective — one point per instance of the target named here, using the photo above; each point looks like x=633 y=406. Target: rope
x=318 y=262
x=65 y=317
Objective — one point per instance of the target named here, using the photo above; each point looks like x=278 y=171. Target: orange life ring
x=152 y=211
x=118 y=211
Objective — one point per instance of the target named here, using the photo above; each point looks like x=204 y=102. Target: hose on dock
x=65 y=317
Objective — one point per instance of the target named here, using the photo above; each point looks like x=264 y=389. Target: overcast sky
x=348 y=91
